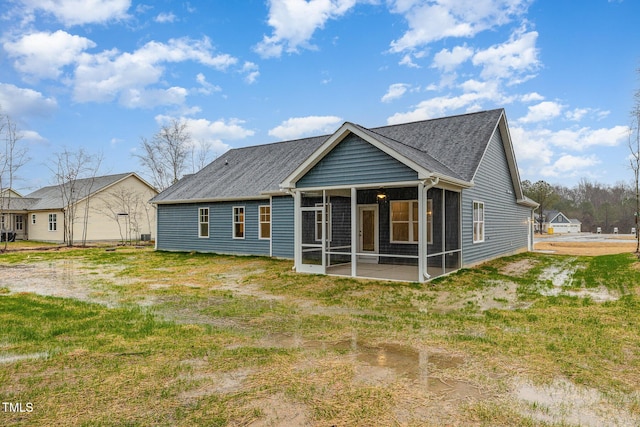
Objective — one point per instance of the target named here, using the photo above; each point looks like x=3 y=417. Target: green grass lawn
x=194 y=339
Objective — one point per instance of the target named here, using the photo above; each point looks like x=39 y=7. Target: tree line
x=594 y=204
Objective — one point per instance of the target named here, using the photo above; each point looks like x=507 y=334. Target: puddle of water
x=387 y=362
x=13 y=358
x=565 y=403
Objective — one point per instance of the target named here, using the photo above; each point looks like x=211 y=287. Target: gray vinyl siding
x=506 y=222
x=178 y=228
x=355 y=161
x=282 y=230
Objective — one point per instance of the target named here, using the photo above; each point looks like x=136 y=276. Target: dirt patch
x=518 y=268
x=277 y=410
x=586 y=248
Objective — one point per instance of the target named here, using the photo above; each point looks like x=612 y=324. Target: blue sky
x=103 y=74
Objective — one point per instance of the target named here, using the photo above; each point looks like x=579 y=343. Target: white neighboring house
x=114 y=207
x=559 y=223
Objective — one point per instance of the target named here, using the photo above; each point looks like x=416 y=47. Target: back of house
x=403 y=202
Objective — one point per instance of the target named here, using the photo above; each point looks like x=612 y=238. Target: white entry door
x=368 y=232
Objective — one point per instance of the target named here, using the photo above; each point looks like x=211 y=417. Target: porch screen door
x=312 y=240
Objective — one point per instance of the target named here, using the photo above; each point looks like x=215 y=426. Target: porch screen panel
x=311 y=204
x=339 y=247
x=452 y=224
x=437 y=221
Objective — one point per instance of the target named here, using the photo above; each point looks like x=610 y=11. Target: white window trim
x=480 y=222
x=413 y=240
x=244 y=222
x=53 y=220
x=200 y=222
x=260 y=222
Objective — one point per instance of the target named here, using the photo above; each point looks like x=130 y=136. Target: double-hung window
x=405 y=220
x=478 y=222
x=53 y=222
x=203 y=222
x=238 y=222
x=265 y=222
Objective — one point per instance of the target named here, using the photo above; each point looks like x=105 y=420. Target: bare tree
x=201 y=155
x=12 y=158
x=127 y=208
x=165 y=155
x=634 y=160
x=71 y=169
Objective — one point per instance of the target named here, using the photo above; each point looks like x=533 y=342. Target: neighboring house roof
x=575 y=221
x=50 y=198
x=449 y=147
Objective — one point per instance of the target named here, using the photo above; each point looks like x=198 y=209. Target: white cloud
x=206 y=87
x=570 y=166
x=215 y=132
x=448 y=60
x=43 y=55
x=301 y=126
x=251 y=71
x=434 y=20
x=543 y=111
x=532 y=97
x=475 y=93
x=395 y=91
x=19 y=102
x=110 y=74
x=148 y=98
x=532 y=145
x=513 y=60
x=164 y=18
x=79 y=12
x=584 y=138
x=295 y=21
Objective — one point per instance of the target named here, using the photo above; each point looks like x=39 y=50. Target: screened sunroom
x=404 y=232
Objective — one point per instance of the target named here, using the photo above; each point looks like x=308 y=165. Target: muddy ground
x=437 y=383
x=585 y=244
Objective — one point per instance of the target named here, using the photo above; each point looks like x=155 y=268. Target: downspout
x=428 y=183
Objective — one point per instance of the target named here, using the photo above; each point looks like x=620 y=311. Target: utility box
x=615 y=230
x=550 y=230
x=599 y=230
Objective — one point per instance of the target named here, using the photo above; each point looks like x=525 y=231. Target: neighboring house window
x=53 y=222
x=478 y=222
x=404 y=221
x=19 y=223
x=265 y=222
x=319 y=221
x=203 y=219
x=33 y=218
x=238 y=222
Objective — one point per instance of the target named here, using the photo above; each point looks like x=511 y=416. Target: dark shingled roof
x=451 y=146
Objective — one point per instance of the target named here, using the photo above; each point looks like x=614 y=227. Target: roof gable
x=50 y=197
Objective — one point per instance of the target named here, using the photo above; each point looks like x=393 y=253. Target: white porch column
x=422 y=233
x=297 y=229
x=354 y=231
